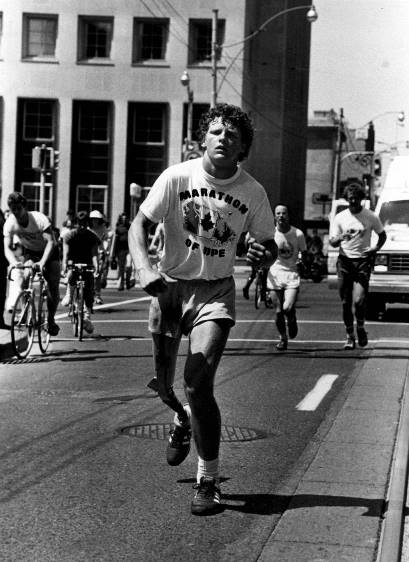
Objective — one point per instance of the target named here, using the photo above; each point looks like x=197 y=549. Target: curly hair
x=355 y=190
x=228 y=114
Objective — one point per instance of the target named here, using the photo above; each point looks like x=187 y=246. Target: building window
x=150 y=39
x=39 y=36
x=200 y=40
x=91 y=155
x=38 y=120
x=95 y=38
x=92 y=198
x=147 y=142
x=31 y=192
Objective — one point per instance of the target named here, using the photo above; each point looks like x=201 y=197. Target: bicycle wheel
x=42 y=325
x=73 y=313
x=80 y=311
x=22 y=325
x=257 y=291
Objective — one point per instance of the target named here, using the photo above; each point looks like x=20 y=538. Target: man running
x=205 y=205
x=351 y=231
x=283 y=276
x=40 y=248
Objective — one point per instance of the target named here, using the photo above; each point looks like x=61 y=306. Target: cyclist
x=80 y=245
x=39 y=246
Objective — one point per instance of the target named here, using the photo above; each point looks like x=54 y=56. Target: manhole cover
x=229 y=434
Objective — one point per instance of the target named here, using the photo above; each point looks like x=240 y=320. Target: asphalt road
x=78 y=484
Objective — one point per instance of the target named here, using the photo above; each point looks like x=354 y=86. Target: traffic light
x=377 y=166
x=55 y=163
x=45 y=158
x=191 y=150
x=370 y=140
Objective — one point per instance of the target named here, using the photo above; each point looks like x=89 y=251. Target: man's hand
x=38 y=266
x=152 y=282
x=256 y=252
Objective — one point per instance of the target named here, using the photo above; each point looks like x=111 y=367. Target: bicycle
x=27 y=317
x=76 y=310
x=261 y=293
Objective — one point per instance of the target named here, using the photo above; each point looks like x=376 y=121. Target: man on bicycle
x=80 y=245
x=40 y=248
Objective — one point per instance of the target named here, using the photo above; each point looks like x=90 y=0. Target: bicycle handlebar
x=34 y=270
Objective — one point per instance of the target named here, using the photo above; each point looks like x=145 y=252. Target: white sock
x=210 y=469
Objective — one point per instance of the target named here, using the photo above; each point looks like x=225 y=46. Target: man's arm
x=262 y=254
x=51 y=242
x=381 y=241
x=150 y=279
x=8 y=250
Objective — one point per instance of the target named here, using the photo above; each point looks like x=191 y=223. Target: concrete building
x=99 y=82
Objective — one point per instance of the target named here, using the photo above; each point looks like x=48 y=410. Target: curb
x=392 y=532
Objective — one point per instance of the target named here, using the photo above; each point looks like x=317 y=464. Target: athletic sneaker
x=88 y=326
x=350 y=343
x=153 y=384
x=98 y=300
x=292 y=327
x=282 y=345
x=179 y=441
x=207 y=498
x=52 y=328
x=362 y=337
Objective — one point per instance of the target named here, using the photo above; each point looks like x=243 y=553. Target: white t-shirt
x=31 y=236
x=359 y=227
x=203 y=218
x=289 y=246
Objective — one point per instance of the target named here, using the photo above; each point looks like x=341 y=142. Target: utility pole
x=214 y=57
x=338 y=152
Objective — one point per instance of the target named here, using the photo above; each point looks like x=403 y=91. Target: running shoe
x=350 y=343
x=362 y=337
x=179 y=441
x=98 y=300
x=52 y=328
x=153 y=384
x=206 y=500
x=282 y=345
x=88 y=326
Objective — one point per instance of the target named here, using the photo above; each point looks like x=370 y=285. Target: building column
x=119 y=155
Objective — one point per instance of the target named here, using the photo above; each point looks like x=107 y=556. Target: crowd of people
x=182 y=245
x=30 y=238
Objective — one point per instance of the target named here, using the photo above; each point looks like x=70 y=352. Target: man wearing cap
x=40 y=248
x=98 y=226
x=80 y=245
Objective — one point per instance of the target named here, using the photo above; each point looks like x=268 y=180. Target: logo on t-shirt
x=285 y=250
x=207 y=224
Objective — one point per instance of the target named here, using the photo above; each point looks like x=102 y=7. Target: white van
x=390 y=277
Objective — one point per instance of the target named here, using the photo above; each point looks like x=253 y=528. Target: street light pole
x=311 y=16
x=338 y=151
x=185 y=80
x=215 y=51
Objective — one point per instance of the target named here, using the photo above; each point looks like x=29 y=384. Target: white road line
x=317 y=394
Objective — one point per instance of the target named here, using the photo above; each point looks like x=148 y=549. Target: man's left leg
x=359 y=299
x=207 y=343
x=52 y=274
x=290 y=299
